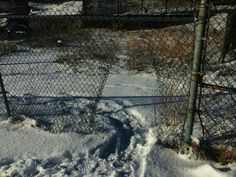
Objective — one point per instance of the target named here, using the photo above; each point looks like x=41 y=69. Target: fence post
x=230 y=36
x=4 y=96
x=196 y=69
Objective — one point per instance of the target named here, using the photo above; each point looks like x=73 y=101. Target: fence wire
x=55 y=57
x=218 y=93
x=173 y=70
x=55 y=60
x=53 y=67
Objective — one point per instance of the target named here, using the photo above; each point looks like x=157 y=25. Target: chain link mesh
x=63 y=56
x=173 y=69
x=55 y=60
x=54 y=57
x=56 y=71
x=218 y=93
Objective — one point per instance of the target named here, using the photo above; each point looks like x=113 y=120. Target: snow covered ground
x=64 y=8
x=123 y=142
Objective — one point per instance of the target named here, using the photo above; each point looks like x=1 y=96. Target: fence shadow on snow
x=55 y=64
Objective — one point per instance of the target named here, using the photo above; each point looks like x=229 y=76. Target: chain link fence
x=215 y=115
x=55 y=61
x=56 y=71
x=217 y=104
x=172 y=65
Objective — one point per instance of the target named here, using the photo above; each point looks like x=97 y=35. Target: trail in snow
x=124 y=139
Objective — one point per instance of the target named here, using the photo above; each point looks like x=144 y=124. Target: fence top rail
x=182 y=13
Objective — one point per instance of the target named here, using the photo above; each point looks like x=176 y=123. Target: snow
x=123 y=142
x=24 y=140
x=173 y=165
x=27 y=150
x=64 y=8
x=209 y=170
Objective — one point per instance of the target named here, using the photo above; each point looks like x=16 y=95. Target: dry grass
x=220 y=153
x=134 y=5
x=8 y=47
x=139 y=63
x=98 y=52
x=171 y=4
x=169 y=45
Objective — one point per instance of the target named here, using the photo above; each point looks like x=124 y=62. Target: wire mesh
x=173 y=69
x=218 y=93
x=54 y=58
x=55 y=71
x=110 y=7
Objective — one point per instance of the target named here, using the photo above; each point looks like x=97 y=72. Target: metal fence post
x=196 y=70
x=4 y=96
x=230 y=35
